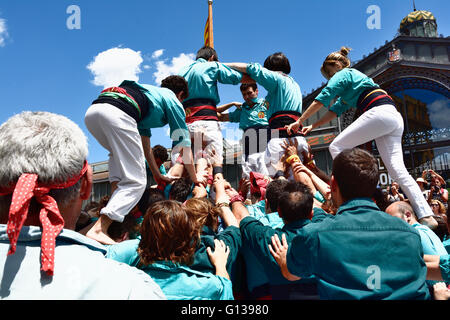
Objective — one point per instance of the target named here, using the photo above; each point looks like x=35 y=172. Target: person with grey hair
x=44 y=178
x=431 y=243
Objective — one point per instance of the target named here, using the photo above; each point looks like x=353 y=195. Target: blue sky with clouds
x=46 y=66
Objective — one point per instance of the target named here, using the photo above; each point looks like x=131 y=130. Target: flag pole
x=210 y=21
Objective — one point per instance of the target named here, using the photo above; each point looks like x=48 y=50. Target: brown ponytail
x=337 y=57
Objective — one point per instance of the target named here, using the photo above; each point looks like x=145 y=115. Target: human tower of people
x=288 y=232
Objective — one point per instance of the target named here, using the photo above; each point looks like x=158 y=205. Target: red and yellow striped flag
x=208 y=34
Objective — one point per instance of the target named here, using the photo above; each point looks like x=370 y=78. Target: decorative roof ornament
x=419 y=23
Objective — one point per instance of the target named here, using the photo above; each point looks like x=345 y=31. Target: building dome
x=419 y=23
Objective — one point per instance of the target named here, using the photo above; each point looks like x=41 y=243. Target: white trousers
x=384 y=124
x=204 y=135
x=275 y=151
x=254 y=163
x=117 y=132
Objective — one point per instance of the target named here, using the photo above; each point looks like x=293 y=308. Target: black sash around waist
x=200 y=109
x=280 y=119
x=122 y=104
x=373 y=97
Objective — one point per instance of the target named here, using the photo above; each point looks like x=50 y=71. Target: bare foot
x=100 y=237
x=99 y=233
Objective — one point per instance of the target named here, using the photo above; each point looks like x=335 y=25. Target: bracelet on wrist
x=292 y=159
x=236 y=198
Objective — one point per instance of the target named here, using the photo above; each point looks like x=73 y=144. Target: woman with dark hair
x=379 y=120
x=284 y=104
x=170 y=236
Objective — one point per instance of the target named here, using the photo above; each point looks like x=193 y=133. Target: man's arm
x=227 y=106
x=238 y=66
x=433 y=269
x=320 y=185
x=327 y=117
x=223 y=117
x=223 y=201
x=148 y=153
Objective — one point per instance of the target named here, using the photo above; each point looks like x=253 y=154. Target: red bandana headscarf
x=258 y=184
x=52 y=222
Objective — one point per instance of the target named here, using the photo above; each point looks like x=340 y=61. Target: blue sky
x=44 y=65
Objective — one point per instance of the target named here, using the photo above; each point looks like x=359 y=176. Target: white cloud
x=114 y=65
x=157 y=53
x=439 y=113
x=3 y=32
x=164 y=69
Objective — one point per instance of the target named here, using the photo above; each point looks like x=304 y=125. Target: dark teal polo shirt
x=250 y=117
x=231 y=236
x=361 y=253
x=257 y=237
x=444 y=265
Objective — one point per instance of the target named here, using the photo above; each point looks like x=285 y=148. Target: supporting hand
x=293 y=127
x=279 y=252
x=306 y=130
x=219 y=257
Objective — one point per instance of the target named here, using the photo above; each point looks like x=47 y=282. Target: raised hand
x=290 y=148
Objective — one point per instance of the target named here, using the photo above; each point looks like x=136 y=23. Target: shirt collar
x=245 y=105
x=357 y=203
x=297 y=224
x=34 y=233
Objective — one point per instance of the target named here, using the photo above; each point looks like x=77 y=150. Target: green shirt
x=256 y=274
x=347 y=84
x=249 y=117
x=361 y=253
x=431 y=243
x=258 y=237
x=446 y=244
x=283 y=93
x=165 y=108
x=231 y=236
x=202 y=78
x=444 y=265
x=178 y=282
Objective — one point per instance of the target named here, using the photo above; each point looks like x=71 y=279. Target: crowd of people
x=288 y=232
